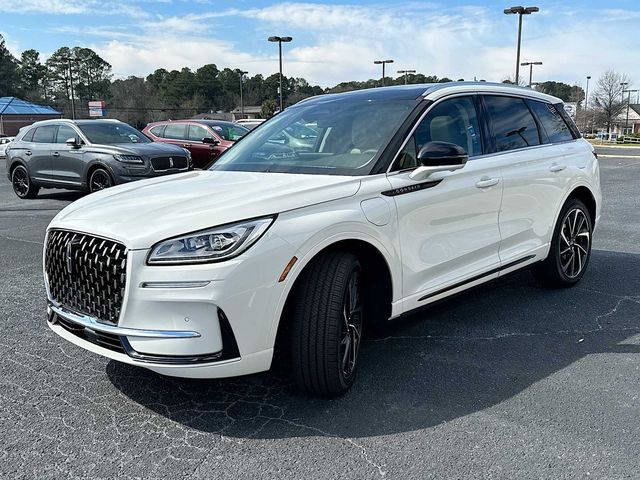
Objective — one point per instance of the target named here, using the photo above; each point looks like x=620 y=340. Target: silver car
x=87 y=155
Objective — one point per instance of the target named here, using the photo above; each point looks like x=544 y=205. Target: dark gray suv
x=87 y=155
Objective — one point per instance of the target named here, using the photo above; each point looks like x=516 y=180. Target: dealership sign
x=96 y=108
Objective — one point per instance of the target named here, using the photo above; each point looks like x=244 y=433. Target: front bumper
x=196 y=321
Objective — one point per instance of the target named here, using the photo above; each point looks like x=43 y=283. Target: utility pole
x=520 y=11
x=406 y=72
x=280 y=40
x=626 y=121
x=383 y=63
x=241 y=73
x=73 y=101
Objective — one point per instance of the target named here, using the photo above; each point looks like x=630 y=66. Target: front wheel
x=327 y=324
x=23 y=187
x=570 y=249
x=99 y=180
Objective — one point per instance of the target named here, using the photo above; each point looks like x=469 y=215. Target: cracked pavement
x=505 y=381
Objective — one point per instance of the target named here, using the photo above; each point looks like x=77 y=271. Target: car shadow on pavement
x=462 y=356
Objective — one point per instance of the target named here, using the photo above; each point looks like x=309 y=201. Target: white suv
x=407 y=195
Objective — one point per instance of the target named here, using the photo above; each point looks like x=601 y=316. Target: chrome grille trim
x=86 y=274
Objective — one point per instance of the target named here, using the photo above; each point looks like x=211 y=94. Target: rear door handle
x=486 y=182
x=55 y=154
x=557 y=168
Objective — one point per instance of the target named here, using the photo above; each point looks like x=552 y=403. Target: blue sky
x=335 y=41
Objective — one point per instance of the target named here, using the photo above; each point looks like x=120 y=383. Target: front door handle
x=557 y=168
x=486 y=182
x=28 y=152
x=55 y=154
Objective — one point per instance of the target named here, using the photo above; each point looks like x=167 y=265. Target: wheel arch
x=375 y=265
x=93 y=166
x=585 y=195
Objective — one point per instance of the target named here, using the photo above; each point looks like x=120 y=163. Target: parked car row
x=91 y=155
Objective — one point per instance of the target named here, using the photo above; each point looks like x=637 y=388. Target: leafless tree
x=608 y=97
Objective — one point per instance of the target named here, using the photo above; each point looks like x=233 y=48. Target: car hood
x=141 y=213
x=152 y=149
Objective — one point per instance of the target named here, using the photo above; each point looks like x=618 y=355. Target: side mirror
x=439 y=157
x=211 y=141
x=73 y=143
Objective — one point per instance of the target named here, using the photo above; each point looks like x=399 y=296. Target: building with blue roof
x=16 y=113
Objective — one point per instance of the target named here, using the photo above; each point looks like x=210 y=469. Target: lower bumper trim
x=92 y=323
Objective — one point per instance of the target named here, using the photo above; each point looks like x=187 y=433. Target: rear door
x=532 y=175
x=67 y=163
x=39 y=156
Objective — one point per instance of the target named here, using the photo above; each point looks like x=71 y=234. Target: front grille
x=86 y=274
x=167 y=163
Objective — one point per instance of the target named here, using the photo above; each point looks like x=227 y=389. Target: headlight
x=129 y=159
x=211 y=245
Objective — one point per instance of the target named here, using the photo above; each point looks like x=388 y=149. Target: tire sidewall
x=356 y=269
x=555 y=244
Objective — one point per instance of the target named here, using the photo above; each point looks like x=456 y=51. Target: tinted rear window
x=553 y=124
x=512 y=122
x=176 y=131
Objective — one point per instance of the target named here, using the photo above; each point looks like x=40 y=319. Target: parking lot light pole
x=530 y=65
x=586 y=104
x=405 y=72
x=626 y=121
x=383 y=62
x=241 y=73
x=280 y=40
x=520 y=11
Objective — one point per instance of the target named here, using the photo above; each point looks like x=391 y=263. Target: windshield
x=231 y=133
x=335 y=137
x=110 y=133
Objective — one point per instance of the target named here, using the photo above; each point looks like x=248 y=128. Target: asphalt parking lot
x=507 y=381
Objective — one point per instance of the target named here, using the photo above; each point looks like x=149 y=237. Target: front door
x=448 y=223
x=67 y=163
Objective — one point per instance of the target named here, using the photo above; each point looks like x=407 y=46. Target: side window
x=158 y=131
x=552 y=123
x=28 y=137
x=453 y=121
x=512 y=122
x=198 y=132
x=176 y=131
x=45 y=134
x=65 y=132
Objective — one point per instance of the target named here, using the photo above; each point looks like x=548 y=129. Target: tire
x=99 y=180
x=23 y=187
x=324 y=345
x=570 y=249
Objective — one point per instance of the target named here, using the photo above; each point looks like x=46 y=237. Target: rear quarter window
x=554 y=128
x=28 y=137
x=512 y=123
x=158 y=131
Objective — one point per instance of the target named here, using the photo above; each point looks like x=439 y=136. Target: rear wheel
x=22 y=184
x=327 y=324
x=99 y=180
x=570 y=248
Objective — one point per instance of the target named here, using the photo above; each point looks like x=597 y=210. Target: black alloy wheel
x=22 y=184
x=99 y=180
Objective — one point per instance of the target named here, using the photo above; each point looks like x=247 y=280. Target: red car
x=205 y=139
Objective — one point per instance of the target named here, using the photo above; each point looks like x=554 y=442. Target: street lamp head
x=388 y=61
x=280 y=39
x=521 y=10
x=274 y=39
x=377 y=62
x=588 y=77
x=286 y=39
